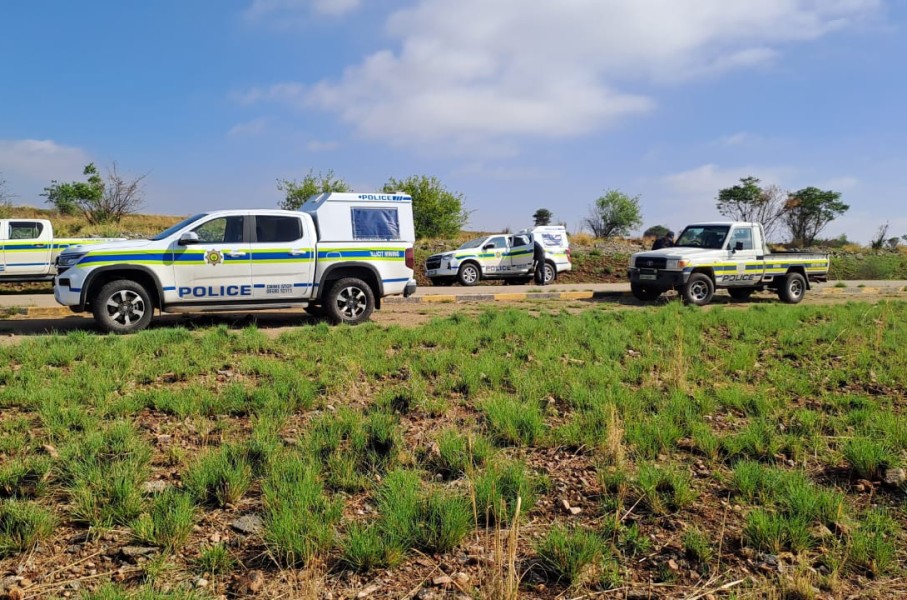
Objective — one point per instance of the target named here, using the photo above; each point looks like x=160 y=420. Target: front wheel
x=698 y=289
x=469 y=275
x=792 y=288
x=349 y=300
x=122 y=306
x=641 y=292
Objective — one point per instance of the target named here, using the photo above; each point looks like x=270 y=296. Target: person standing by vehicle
x=538 y=260
x=666 y=241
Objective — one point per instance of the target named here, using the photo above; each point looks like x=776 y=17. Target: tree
x=808 y=211
x=6 y=199
x=437 y=212
x=881 y=236
x=98 y=201
x=752 y=203
x=542 y=217
x=297 y=192
x=656 y=231
x=615 y=213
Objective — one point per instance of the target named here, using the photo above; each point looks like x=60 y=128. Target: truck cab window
x=224 y=230
x=743 y=235
x=273 y=229
x=496 y=242
x=20 y=230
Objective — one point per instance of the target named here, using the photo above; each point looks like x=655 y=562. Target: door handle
x=296 y=252
x=236 y=254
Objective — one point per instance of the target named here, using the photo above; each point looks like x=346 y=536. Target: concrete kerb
x=46 y=312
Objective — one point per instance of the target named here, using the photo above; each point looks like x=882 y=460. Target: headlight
x=67 y=260
x=674 y=264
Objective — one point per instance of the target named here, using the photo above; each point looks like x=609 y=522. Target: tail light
x=410 y=258
x=569 y=254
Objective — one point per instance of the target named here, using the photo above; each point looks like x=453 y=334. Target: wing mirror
x=738 y=246
x=188 y=238
x=487 y=246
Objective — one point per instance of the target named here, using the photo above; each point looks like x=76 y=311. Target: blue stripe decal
x=75 y=289
x=40 y=264
x=170 y=289
x=361 y=254
x=259 y=286
x=303 y=285
x=280 y=255
x=395 y=280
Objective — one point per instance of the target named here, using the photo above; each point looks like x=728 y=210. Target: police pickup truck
x=730 y=255
x=339 y=254
x=502 y=256
x=28 y=249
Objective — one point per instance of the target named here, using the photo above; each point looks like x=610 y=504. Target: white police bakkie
x=340 y=254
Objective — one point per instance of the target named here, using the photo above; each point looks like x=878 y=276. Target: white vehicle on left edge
x=340 y=254
x=502 y=256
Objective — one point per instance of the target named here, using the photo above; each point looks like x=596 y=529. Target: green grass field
x=736 y=451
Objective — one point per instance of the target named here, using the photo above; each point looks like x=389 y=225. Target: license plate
x=432 y=272
x=647 y=276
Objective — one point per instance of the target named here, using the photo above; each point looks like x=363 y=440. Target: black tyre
x=698 y=290
x=646 y=294
x=469 y=274
x=738 y=293
x=549 y=273
x=792 y=288
x=349 y=300
x=122 y=306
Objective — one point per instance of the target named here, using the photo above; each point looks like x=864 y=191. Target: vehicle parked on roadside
x=28 y=249
x=502 y=256
x=339 y=254
x=729 y=255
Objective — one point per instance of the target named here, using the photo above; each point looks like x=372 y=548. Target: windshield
x=703 y=236
x=171 y=230
x=472 y=243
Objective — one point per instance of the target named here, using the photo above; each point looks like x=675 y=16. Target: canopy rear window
x=375 y=224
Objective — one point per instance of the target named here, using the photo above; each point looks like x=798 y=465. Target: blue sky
x=517 y=104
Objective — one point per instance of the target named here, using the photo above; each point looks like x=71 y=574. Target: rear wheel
x=646 y=294
x=549 y=273
x=741 y=293
x=698 y=289
x=349 y=300
x=792 y=288
x=122 y=306
x=469 y=274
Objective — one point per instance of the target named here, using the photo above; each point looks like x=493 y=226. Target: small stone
x=565 y=504
x=859 y=487
x=51 y=451
x=821 y=532
x=672 y=564
x=136 y=551
x=215 y=538
x=575 y=510
x=248 y=524
x=894 y=477
x=201 y=583
x=155 y=487
x=461 y=578
x=442 y=580
x=256 y=581
x=368 y=591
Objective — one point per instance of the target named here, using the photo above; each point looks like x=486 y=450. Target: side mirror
x=738 y=246
x=487 y=246
x=189 y=238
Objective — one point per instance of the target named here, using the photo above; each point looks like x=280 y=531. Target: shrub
x=664 y=488
x=169 y=522
x=444 y=520
x=22 y=525
x=220 y=477
x=513 y=421
x=567 y=553
x=460 y=454
x=215 y=559
x=868 y=458
x=498 y=487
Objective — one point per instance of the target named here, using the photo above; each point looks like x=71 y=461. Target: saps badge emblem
x=214 y=257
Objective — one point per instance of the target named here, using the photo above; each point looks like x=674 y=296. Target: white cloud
x=322 y=145
x=250 y=128
x=282 y=9
x=473 y=74
x=41 y=160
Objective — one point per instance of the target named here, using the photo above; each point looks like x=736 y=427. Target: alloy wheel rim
x=352 y=302
x=125 y=307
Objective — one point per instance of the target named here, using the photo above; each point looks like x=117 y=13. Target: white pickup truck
x=502 y=256
x=28 y=249
x=731 y=255
x=340 y=254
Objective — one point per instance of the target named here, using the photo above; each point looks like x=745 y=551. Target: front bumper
x=68 y=289
x=658 y=279
x=410 y=288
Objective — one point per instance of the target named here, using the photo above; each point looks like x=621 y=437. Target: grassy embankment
x=667 y=449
